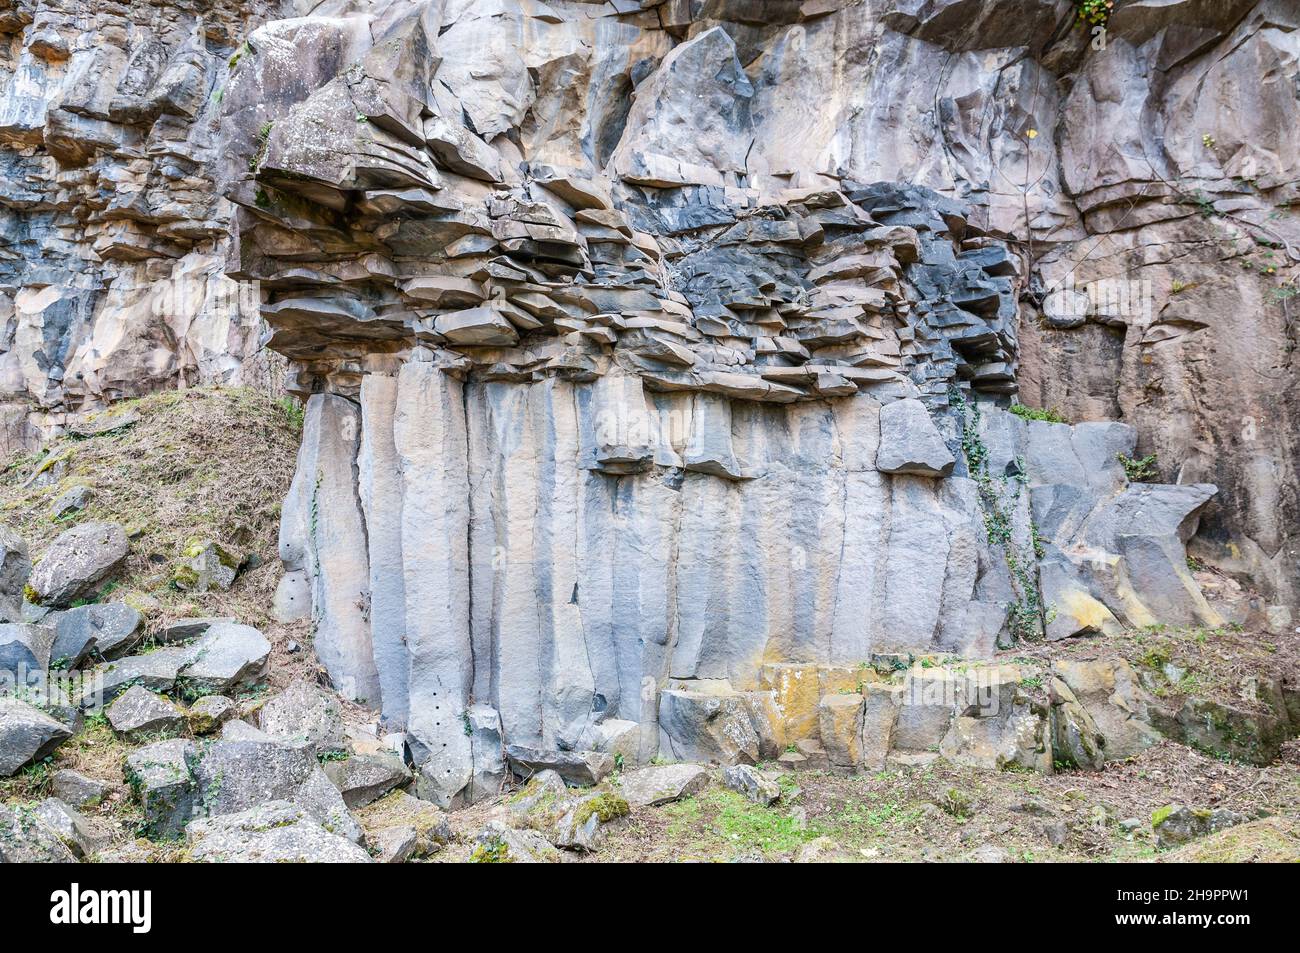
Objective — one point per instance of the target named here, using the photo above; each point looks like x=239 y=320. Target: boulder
x=581 y=768
x=77 y=563
x=662 y=784
x=910 y=442
x=1176 y=824
x=1076 y=739
x=15 y=568
x=1109 y=690
x=362 y=779
x=880 y=706
x=24 y=655
x=582 y=827
x=77 y=789
x=228 y=656
x=1271 y=840
x=109 y=629
x=305 y=714
x=26 y=839
x=237 y=775
x=209 y=713
x=722 y=726
x=70 y=827
x=205 y=565
x=840 y=718
x=70 y=501
x=161 y=779
x=499 y=844
x=27 y=735
x=183 y=630
x=272 y=832
x=747 y=780
x=138 y=714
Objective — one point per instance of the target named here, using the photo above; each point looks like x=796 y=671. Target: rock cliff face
x=650 y=344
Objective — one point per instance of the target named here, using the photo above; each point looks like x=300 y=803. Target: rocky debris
x=77 y=563
x=1251 y=733
x=138 y=714
x=75 y=831
x=100 y=425
x=305 y=714
x=205 y=565
x=662 y=784
x=1076 y=739
x=910 y=442
x=15 y=568
x=499 y=844
x=1176 y=824
x=404 y=828
x=539 y=799
x=26 y=839
x=209 y=713
x=70 y=501
x=27 y=735
x=236 y=775
x=227 y=657
x=582 y=826
x=106 y=629
x=160 y=776
x=1112 y=695
x=25 y=654
x=747 y=780
x=581 y=768
x=76 y=789
x=362 y=779
x=272 y=832
x=155 y=671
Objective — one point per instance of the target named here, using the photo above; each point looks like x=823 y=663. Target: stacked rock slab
x=607 y=411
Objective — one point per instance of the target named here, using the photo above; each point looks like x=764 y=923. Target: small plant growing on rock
x=1138 y=470
x=1050 y=415
x=1095 y=12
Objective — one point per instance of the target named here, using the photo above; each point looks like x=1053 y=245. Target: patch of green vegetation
x=1138 y=470
x=1036 y=413
x=491 y=851
x=605 y=806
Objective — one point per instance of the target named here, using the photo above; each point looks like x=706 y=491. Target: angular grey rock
x=237 y=775
x=662 y=784
x=274 y=832
x=15 y=568
x=228 y=656
x=582 y=826
x=24 y=655
x=162 y=780
x=77 y=563
x=70 y=501
x=108 y=629
x=390 y=820
x=183 y=630
x=305 y=714
x=910 y=442
x=395 y=845
x=77 y=789
x=1076 y=739
x=1177 y=824
x=362 y=779
x=25 y=839
x=499 y=844
x=205 y=565
x=27 y=735
x=74 y=830
x=138 y=715
x=745 y=779
x=726 y=727
x=581 y=768
x=209 y=713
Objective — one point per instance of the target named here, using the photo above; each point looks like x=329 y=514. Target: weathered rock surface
x=162 y=780
x=108 y=629
x=362 y=779
x=26 y=839
x=662 y=784
x=24 y=654
x=77 y=789
x=27 y=735
x=138 y=714
x=77 y=563
x=499 y=844
x=209 y=713
x=305 y=714
x=275 y=832
x=15 y=568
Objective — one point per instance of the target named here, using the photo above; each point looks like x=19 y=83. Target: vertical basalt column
x=381 y=497
x=322 y=532
x=429 y=436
